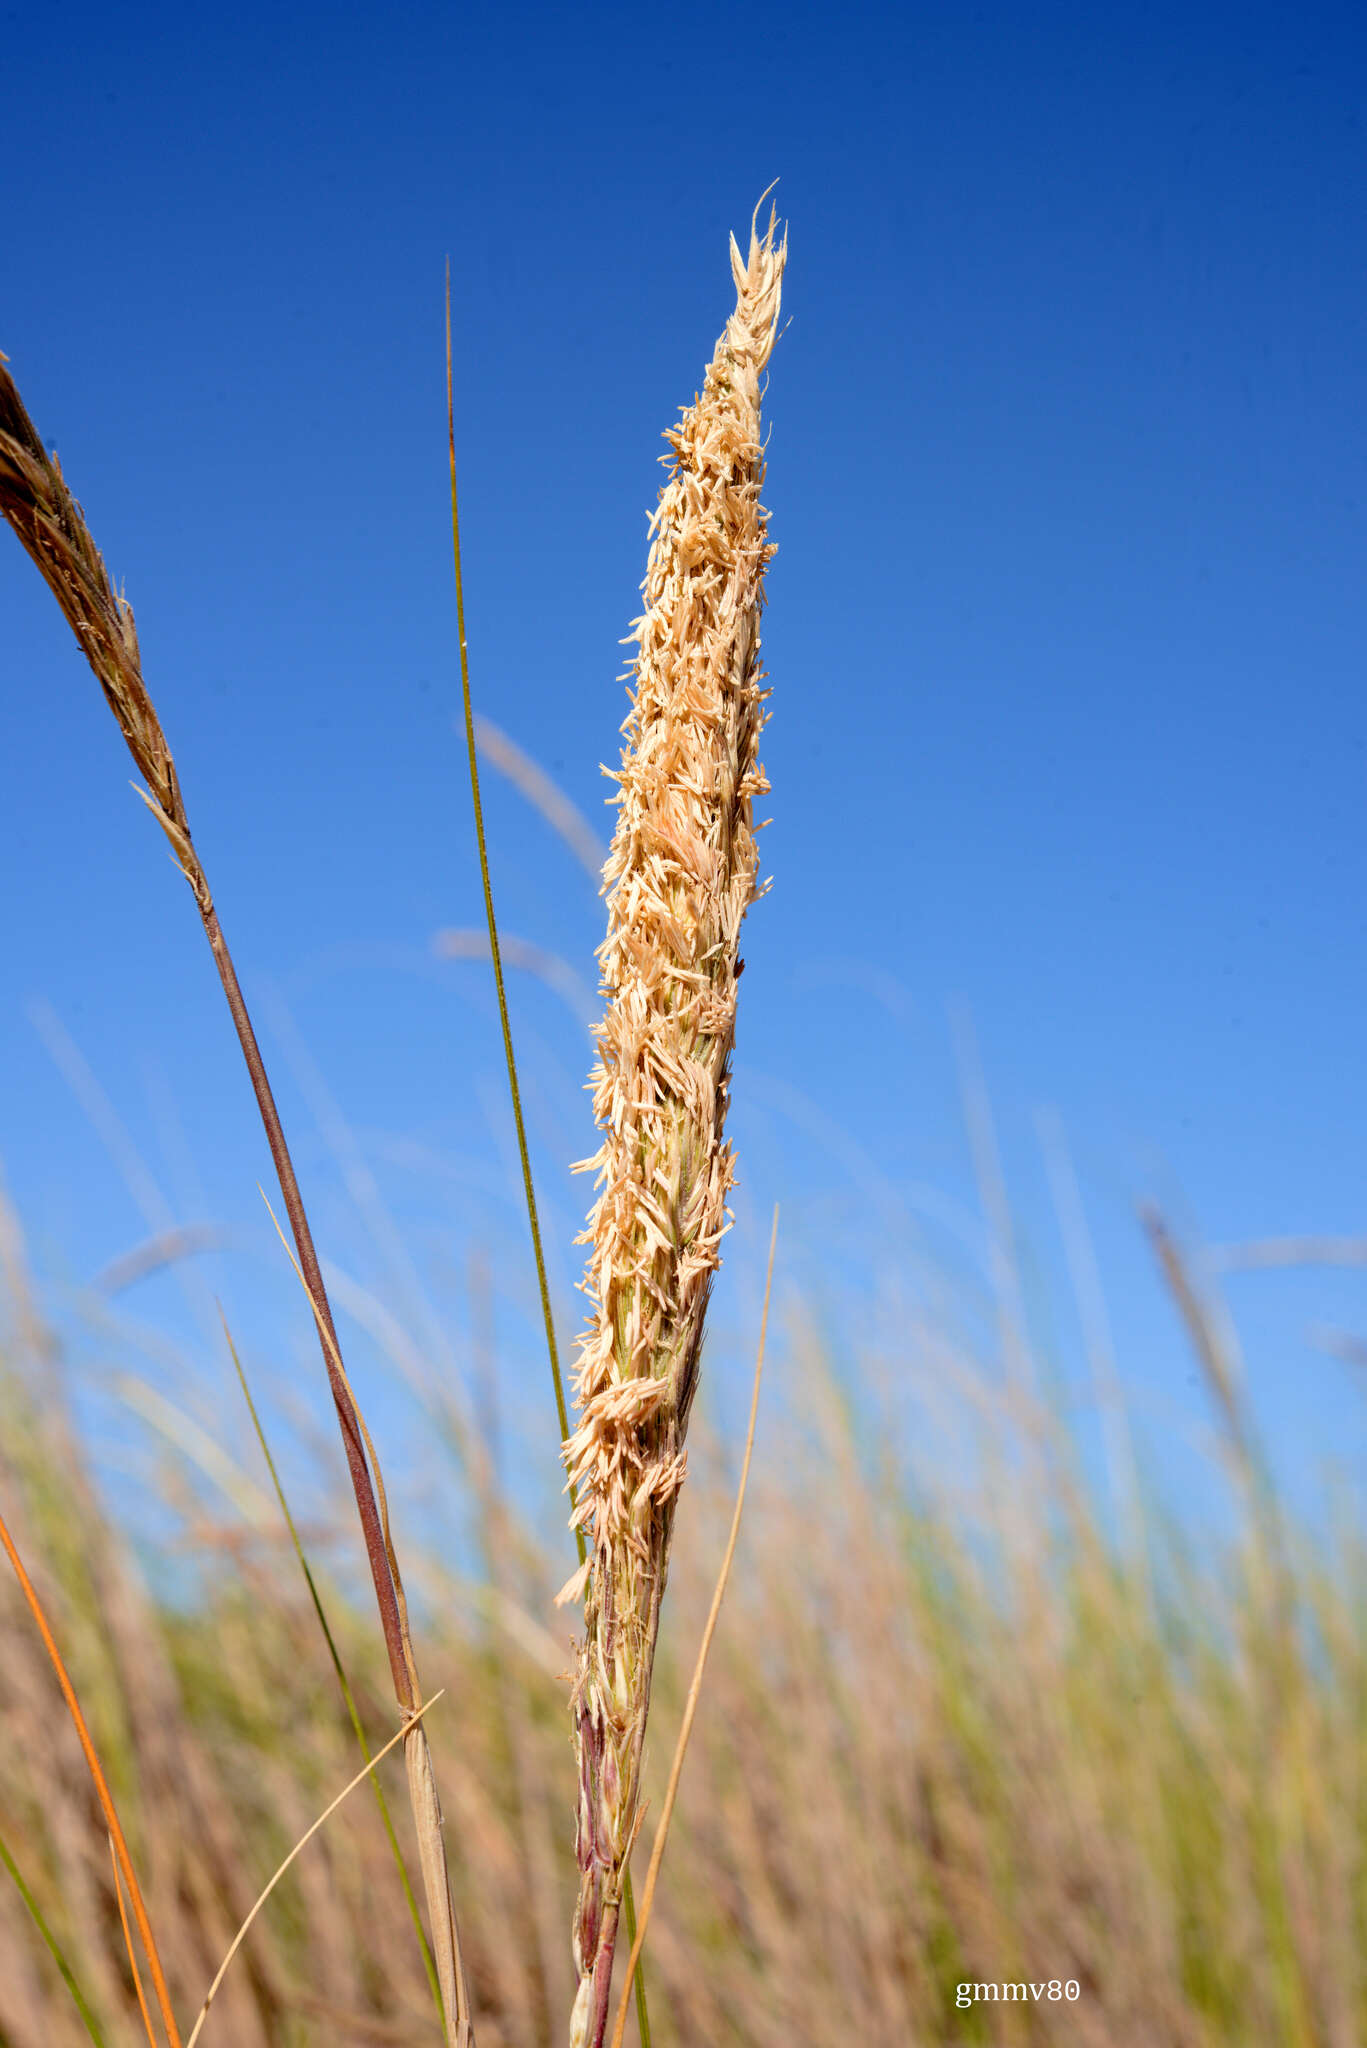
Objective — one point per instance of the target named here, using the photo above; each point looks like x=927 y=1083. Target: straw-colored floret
x=682 y=870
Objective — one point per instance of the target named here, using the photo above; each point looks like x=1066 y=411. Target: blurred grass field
x=956 y=1731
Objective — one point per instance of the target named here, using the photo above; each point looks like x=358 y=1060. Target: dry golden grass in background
x=927 y=1753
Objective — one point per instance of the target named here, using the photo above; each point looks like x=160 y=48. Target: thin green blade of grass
x=339 y=1668
x=510 y=1058
x=64 y=1968
x=495 y=951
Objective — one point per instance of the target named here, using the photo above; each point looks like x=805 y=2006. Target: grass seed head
x=682 y=870
x=36 y=502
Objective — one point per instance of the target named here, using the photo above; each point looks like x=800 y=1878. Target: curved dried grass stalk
x=682 y=870
x=36 y=502
x=402 y=1735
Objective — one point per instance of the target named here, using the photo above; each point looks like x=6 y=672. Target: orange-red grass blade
x=132 y=1952
x=102 y=1792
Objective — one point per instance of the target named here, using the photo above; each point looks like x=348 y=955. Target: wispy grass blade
x=401 y=1735
x=495 y=952
x=64 y=1969
x=530 y=779
x=339 y=1668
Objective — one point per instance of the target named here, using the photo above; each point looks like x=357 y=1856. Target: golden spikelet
x=36 y=502
x=681 y=872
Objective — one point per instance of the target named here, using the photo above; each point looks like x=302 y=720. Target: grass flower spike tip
x=680 y=875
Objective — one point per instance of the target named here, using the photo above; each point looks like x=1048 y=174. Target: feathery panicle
x=681 y=872
x=35 y=500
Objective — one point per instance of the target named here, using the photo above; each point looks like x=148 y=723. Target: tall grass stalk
x=510 y=1058
x=486 y=880
x=637 y=1936
x=681 y=872
x=36 y=502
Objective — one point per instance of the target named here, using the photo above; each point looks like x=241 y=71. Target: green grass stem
x=39 y=1919
x=529 y=1191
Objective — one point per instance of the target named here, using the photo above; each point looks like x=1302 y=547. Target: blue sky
x=1066 y=628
